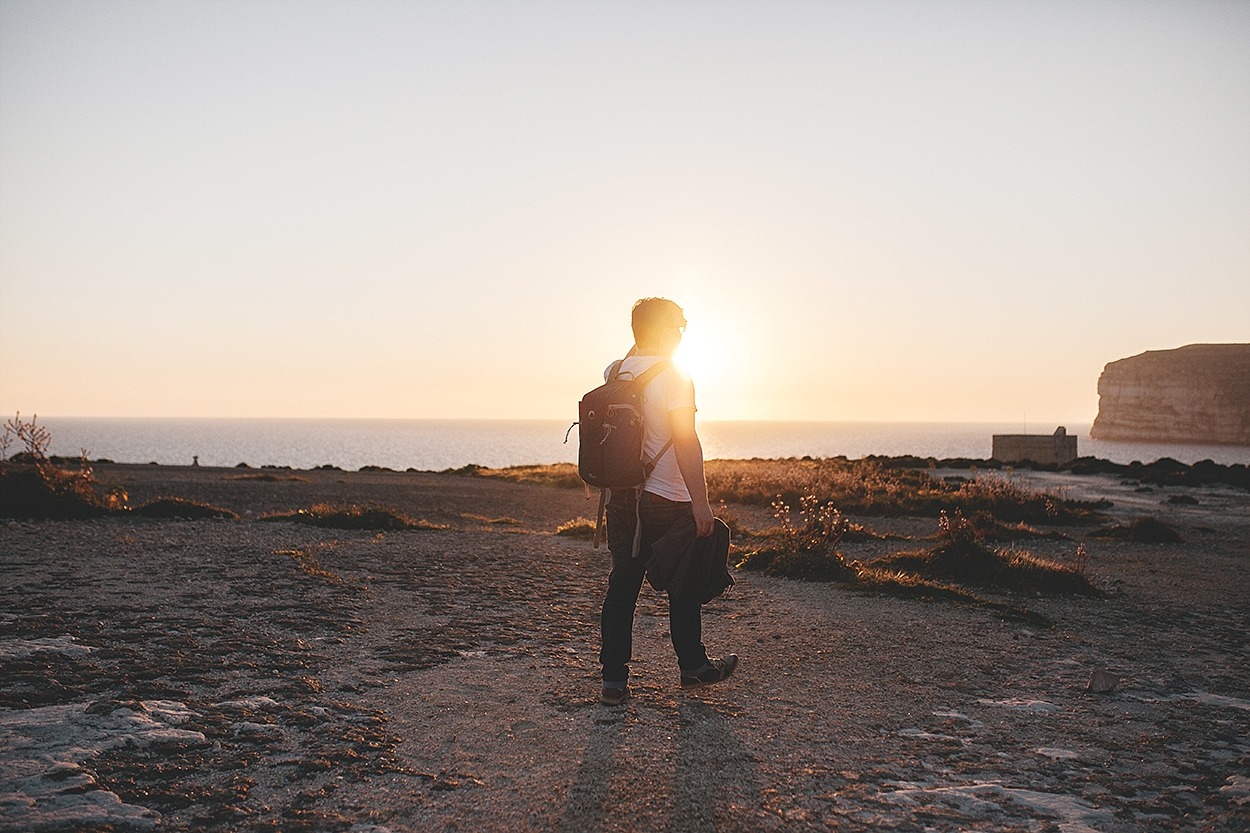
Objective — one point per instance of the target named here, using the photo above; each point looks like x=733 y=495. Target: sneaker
x=713 y=672
x=612 y=695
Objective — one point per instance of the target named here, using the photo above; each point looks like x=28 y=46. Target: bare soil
x=257 y=676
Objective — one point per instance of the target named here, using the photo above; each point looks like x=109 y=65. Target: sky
x=870 y=211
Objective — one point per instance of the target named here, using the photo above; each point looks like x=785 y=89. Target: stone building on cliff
x=1049 y=450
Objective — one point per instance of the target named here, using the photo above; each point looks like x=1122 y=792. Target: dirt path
x=238 y=675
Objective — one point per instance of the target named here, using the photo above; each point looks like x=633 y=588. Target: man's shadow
x=715 y=774
x=586 y=806
x=712 y=775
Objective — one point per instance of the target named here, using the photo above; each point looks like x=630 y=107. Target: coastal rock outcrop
x=1194 y=394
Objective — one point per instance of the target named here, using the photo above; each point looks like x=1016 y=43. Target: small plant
x=806 y=547
x=730 y=519
x=36 y=487
x=33 y=436
x=820 y=526
x=957 y=529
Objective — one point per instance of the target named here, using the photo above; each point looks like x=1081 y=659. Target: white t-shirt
x=670 y=390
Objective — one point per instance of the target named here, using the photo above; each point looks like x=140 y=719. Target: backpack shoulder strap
x=652 y=371
x=642 y=378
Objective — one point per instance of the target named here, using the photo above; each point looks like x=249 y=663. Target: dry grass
x=502 y=520
x=310 y=565
x=973 y=564
x=865 y=487
x=962 y=556
x=906 y=585
x=562 y=475
x=266 y=477
x=807 y=549
x=577 y=528
x=856 y=487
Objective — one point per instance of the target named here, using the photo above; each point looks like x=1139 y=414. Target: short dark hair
x=652 y=314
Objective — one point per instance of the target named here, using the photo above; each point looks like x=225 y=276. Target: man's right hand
x=703 y=519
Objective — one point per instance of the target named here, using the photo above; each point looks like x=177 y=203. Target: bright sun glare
x=701 y=355
x=716 y=354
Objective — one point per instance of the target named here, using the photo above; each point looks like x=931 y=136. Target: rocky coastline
x=1194 y=394
x=229 y=674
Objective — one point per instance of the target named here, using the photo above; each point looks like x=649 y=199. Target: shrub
x=33 y=436
x=176 y=508
x=806 y=548
x=956 y=529
x=353 y=517
x=1144 y=530
x=980 y=527
x=34 y=487
x=820 y=525
x=48 y=493
x=962 y=556
x=807 y=565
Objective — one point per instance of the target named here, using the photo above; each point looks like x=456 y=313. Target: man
x=674 y=493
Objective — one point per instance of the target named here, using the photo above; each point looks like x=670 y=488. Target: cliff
x=1194 y=394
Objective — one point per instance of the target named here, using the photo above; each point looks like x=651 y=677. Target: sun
x=715 y=354
x=700 y=357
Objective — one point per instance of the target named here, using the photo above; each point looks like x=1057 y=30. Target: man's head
x=658 y=324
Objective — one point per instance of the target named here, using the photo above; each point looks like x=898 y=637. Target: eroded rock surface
x=1194 y=394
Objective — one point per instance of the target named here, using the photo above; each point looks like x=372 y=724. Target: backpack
x=610 y=431
x=610 y=434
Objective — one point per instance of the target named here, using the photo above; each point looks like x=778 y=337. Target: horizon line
x=796 y=421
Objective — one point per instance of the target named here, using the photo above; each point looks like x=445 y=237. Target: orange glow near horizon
x=438 y=219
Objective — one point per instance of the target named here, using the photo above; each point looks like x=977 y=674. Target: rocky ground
x=247 y=675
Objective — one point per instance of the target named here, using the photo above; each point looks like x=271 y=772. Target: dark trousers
x=685 y=615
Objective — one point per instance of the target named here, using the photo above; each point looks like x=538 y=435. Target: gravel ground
x=240 y=675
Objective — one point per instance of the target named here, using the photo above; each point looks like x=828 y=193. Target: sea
x=435 y=444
